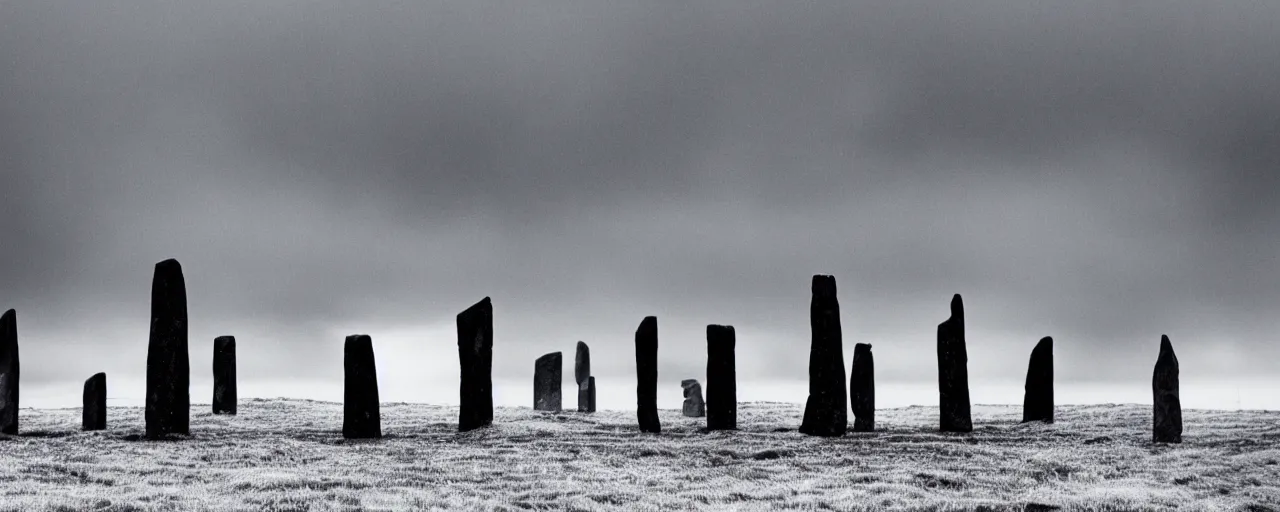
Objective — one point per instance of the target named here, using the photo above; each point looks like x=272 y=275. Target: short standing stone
x=953 y=372
x=825 y=410
x=9 y=372
x=694 y=407
x=361 y=417
x=862 y=388
x=224 y=375
x=590 y=384
x=546 y=382
x=475 y=354
x=1164 y=387
x=647 y=375
x=722 y=387
x=168 y=405
x=94 y=413
x=1037 y=405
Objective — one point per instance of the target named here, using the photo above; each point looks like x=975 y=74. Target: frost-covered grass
x=290 y=455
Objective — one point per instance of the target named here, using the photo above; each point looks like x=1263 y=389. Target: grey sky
x=1102 y=172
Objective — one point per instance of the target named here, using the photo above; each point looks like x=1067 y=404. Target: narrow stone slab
x=361 y=416
x=475 y=355
x=587 y=395
x=953 y=372
x=862 y=388
x=693 y=406
x=224 y=375
x=94 y=412
x=647 y=375
x=546 y=382
x=581 y=364
x=168 y=407
x=9 y=372
x=1037 y=404
x=1167 y=427
x=825 y=410
x=722 y=386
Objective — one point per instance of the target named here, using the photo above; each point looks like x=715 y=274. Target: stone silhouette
x=693 y=406
x=224 y=375
x=546 y=382
x=1167 y=427
x=587 y=395
x=9 y=372
x=582 y=376
x=475 y=354
x=1037 y=404
x=647 y=375
x=824 y=411
x=862 y=388
x=361 y=417
x=722 y=387
x=94 y=414
x=953 y=372
x=168 y=406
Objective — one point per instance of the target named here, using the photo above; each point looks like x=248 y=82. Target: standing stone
x=1164 y=387
x=862 y=388
x=825 y=410
x=361 y=418
x=9 y=372
x=722 y=386
x=693 y=407
x=94 y=414
x=546 y=382
x=647 y=375
x=953 y=372
x=168 y=408
x=582 y=376
x=1037 y=405
x=475 y=354
x=590 y=386
x=224 y=375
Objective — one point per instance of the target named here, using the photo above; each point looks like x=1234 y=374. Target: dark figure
x=168 y=408
x=361 y=418
x=825 y=411
x=722 y=387
x=224 y=375
x=94 y=413
x=9 y=371
x=546 y=382
x=647 y=375
x=862 y=388
x=1037 y=405
x=693 y=406
x=1167 y=426
x=953 y=372
x=475 y=354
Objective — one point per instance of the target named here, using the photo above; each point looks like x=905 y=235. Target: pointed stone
x=862 y=388
x=546 y=382
x=168 y=405
x=953 y=372
x=361 y=416
x=693 y=406
x=722 y=386
x=587 y=395
x=647 y=375
x=475 y=355
x=94 y=412
x=1037 y=405
x=1167 y=427
x=9 y=372
x=224 y=375
x=825 y=410
x=581 y=364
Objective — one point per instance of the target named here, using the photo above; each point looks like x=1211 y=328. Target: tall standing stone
x=582 y=375
x=824 y=411
x=9 y=372
x=224 y=375
x=953 y=372
x=546 y=382
x=862 y=388
x=1037 y=405
x=1167 y=427
x=693 y=406
x=168 y=408
x=722 y=386
x=647 y=375
x=475 y=354
x=94 y=414
x=361 y=417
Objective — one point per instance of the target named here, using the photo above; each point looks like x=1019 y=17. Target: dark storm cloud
x=1099 y=171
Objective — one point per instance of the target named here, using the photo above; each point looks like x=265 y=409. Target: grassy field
x=290 y=455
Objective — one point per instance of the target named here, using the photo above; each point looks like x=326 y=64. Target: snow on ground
x=289 y=455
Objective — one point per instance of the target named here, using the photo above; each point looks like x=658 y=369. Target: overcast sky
x=1101 y=172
